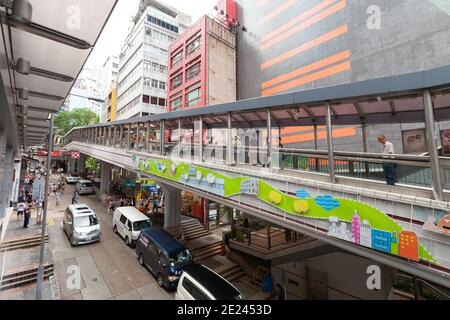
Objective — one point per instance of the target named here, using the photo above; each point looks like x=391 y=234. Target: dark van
x=164 y=255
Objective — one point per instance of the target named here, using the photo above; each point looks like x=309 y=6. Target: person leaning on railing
x=389 y=168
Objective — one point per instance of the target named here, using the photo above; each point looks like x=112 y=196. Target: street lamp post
x=40 y=278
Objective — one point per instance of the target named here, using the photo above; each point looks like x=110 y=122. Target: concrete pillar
x=6 y=183
x=206 y=203
x=81 y=165
x=105 y=177
x=172 y=209
x=71 y=165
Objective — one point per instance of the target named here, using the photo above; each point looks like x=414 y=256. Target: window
x=154 y=83
x=115 y=65
x=193 y=46
x=163 y=24
x=162 y=69
x=147 y=65
x=193 y=97
x=139 y=225
x=155 y=66
x=123 y=219
x=86 y=221
x=147 y=81
x=162 y=102
x=145 y=98
x=176 y=81
x=187 y=285
x=175 y=103
x=193 y=72
x=162 y=85
x=192 y=289
x=177 y=58
x=152 y=248
x=154 y=100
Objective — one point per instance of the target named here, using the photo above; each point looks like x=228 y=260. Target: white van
x=198 y=282
x=85 y=187
x=128 y=223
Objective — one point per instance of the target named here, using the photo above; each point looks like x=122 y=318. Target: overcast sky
x=118 y=25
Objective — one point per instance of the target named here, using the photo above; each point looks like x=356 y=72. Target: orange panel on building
x=408 y=246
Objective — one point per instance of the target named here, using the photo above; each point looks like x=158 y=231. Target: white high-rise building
x=110 y=71
x=87 y=91
x=142 y=82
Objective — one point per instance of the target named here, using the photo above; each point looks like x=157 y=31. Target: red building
x=202 y=69
x=202 y=61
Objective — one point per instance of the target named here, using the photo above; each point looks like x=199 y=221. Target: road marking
x=50 y=222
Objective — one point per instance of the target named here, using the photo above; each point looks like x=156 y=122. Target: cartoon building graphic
x=381 y=240
x=408 y=245
x=366 y=234
x=356 y=225
x=250 y=187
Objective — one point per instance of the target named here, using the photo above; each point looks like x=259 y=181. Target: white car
x=84 y=187
x=72 y=178
x=198 y=282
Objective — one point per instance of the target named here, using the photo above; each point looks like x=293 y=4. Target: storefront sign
x=414 y=141
x=75 y=155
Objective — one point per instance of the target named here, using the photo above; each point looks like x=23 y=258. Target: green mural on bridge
x=349 y=220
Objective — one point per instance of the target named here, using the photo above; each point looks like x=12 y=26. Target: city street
x=109 y=269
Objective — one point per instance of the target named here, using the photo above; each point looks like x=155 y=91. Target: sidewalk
x=19 y=256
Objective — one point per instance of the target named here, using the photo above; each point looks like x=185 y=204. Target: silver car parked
x=81 y=225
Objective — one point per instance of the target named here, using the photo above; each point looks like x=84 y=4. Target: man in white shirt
x=388 y=167
x=20 y=210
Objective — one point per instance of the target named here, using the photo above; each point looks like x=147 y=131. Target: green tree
x=66 y=120
x=92 y=164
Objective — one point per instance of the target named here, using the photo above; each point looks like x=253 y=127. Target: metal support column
x=269 y=139
x=200 y=153
x=138 y=136
x=114 y=137
x=432 y=145
x=316 y=146
x=230 y=153
x=40 y=276
x=365 y=146
x=330 y=143
x=180 y=140
x=162 y=138
x=147 y=137
x=129 y=136
x=121 y=136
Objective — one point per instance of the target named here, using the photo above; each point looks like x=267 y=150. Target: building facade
x=110 y=74
x=202 y=66
x=110 y=105
x=302 y=45
x=87 y=91
x=142 y=81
